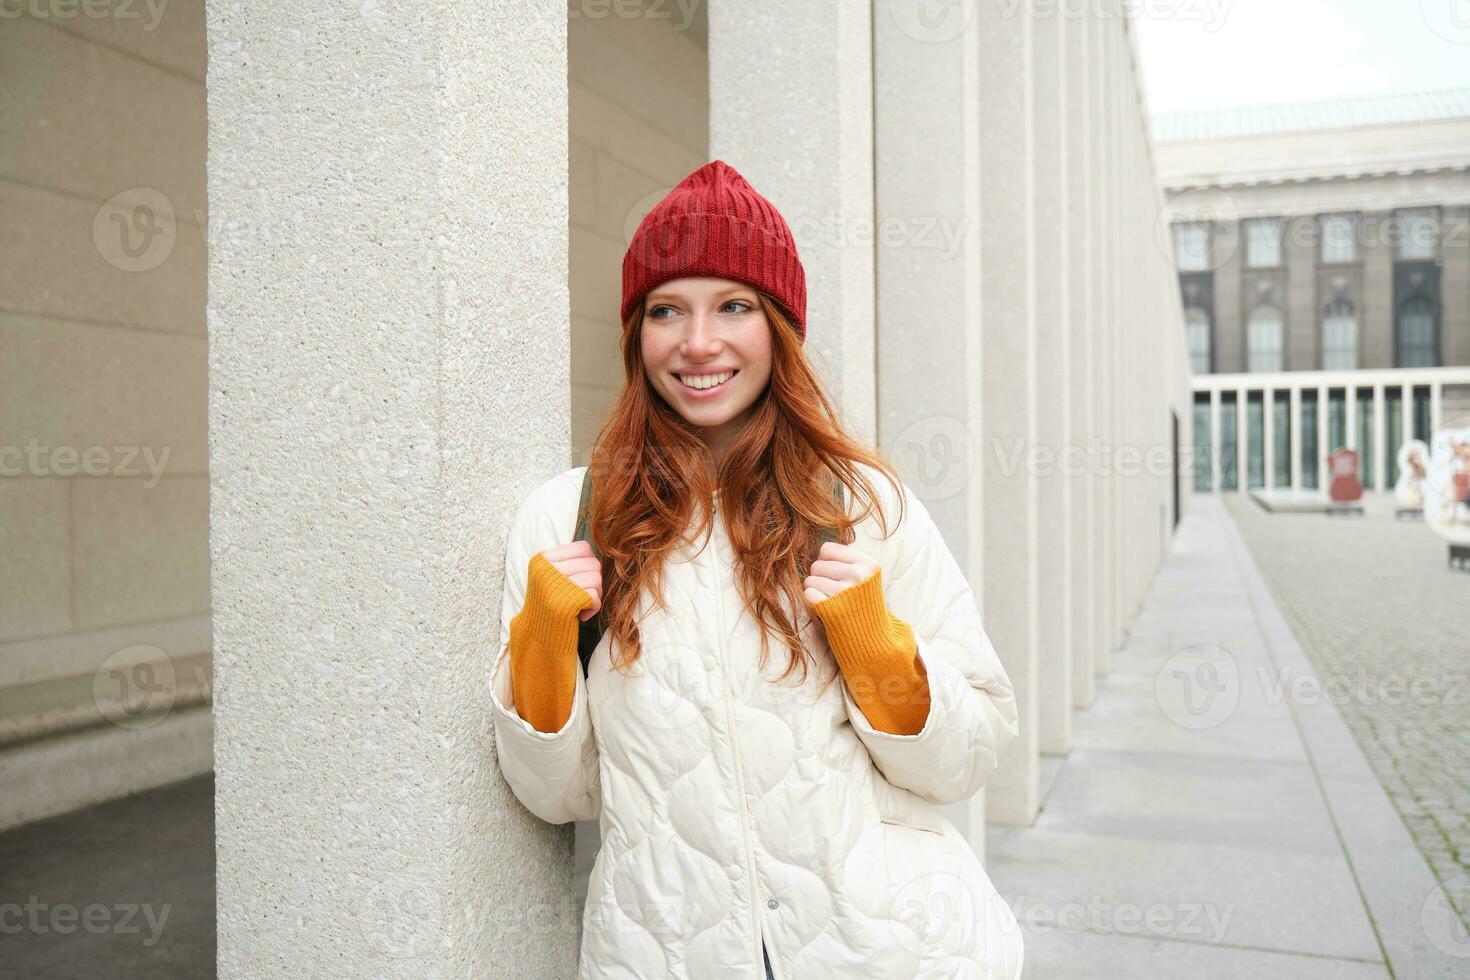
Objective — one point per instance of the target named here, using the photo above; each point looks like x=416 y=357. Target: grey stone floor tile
x=1262 y=898
x=1062 y=955
x=1201 y=799
x=1365 y=816
x=1424 y=937
x=1051 y=767
x=1144 y=712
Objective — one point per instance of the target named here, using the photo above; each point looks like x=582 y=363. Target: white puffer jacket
x=735 y=811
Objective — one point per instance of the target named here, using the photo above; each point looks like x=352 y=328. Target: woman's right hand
x=577 y=562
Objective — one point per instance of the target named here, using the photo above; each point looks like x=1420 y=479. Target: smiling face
x=706 y=346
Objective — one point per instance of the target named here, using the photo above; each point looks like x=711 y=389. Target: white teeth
x=704 y=380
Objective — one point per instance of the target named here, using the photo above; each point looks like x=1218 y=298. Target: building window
x=1339 y=337
x=1265 y=339
x=1339 y=239
x=1192 y=246
x=1416 y=340
x=1263 y=242
x=1418 y=235
x=1197 y=330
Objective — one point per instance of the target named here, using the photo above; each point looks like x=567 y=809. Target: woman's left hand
x=838 y=567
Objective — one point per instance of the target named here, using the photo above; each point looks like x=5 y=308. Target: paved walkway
x=1379 y=613
x=1214 y=818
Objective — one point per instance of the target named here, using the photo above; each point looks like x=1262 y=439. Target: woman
x=758 y=809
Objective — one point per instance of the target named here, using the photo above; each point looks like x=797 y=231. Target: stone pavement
x=123 y=890
x=1215 y=818
x=1378 y=611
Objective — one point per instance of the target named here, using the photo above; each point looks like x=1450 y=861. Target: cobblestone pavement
x=1386 y=625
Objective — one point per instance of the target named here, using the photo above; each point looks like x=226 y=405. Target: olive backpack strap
x=590 y=630
x=830 y=533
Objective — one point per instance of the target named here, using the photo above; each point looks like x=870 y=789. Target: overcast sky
x=1212 y=54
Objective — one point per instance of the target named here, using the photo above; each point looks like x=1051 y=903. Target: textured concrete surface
x=1387 y=625
x=389 y=377
x=122 y=890
x=1205 y=824
x=800 y=129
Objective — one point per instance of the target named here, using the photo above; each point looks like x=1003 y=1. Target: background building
x=1323 y=252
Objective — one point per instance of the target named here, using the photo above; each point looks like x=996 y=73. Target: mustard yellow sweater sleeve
x=543 y=646
x=878 y=656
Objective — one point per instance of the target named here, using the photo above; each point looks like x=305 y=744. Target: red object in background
x=1462 y=486
x=1343 y=465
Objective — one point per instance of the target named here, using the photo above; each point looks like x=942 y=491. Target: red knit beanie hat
x=714 y=224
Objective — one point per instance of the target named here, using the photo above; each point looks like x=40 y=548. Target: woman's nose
x=701 y=338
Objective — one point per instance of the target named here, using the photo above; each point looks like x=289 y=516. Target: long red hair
x=650 y=470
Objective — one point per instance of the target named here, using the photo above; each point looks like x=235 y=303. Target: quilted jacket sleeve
x=972 y=707
x=553 y=773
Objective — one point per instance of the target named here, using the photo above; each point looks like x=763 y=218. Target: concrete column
x=1113 y=137
x=1455 y=288
x=1302 y=340
x=1103 y=246
x=1215 y=441
x=926 y=118
x=388 y=379
x=1406 y=416
x=1008 y=387
x=1294 y=413
x=1050 y=259
x=1375 y=324
x=1268 y=430
x=1242 y=441
x=1229 y=249
x=1082 y=321
x=1323 y=432
x=1436 y=406
x=791 y=108
x=1350 y=415
x=1098 y=434
x=1380 y=437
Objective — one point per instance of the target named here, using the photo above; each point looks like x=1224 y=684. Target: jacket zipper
x=755 y=915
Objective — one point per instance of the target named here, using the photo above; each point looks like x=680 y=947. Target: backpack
x=590 y=630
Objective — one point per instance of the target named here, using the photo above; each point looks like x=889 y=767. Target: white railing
x=1377 y=380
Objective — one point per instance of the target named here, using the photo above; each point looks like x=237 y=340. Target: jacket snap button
x=773 y=904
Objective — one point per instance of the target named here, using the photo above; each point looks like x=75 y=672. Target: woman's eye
x=744 y=307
